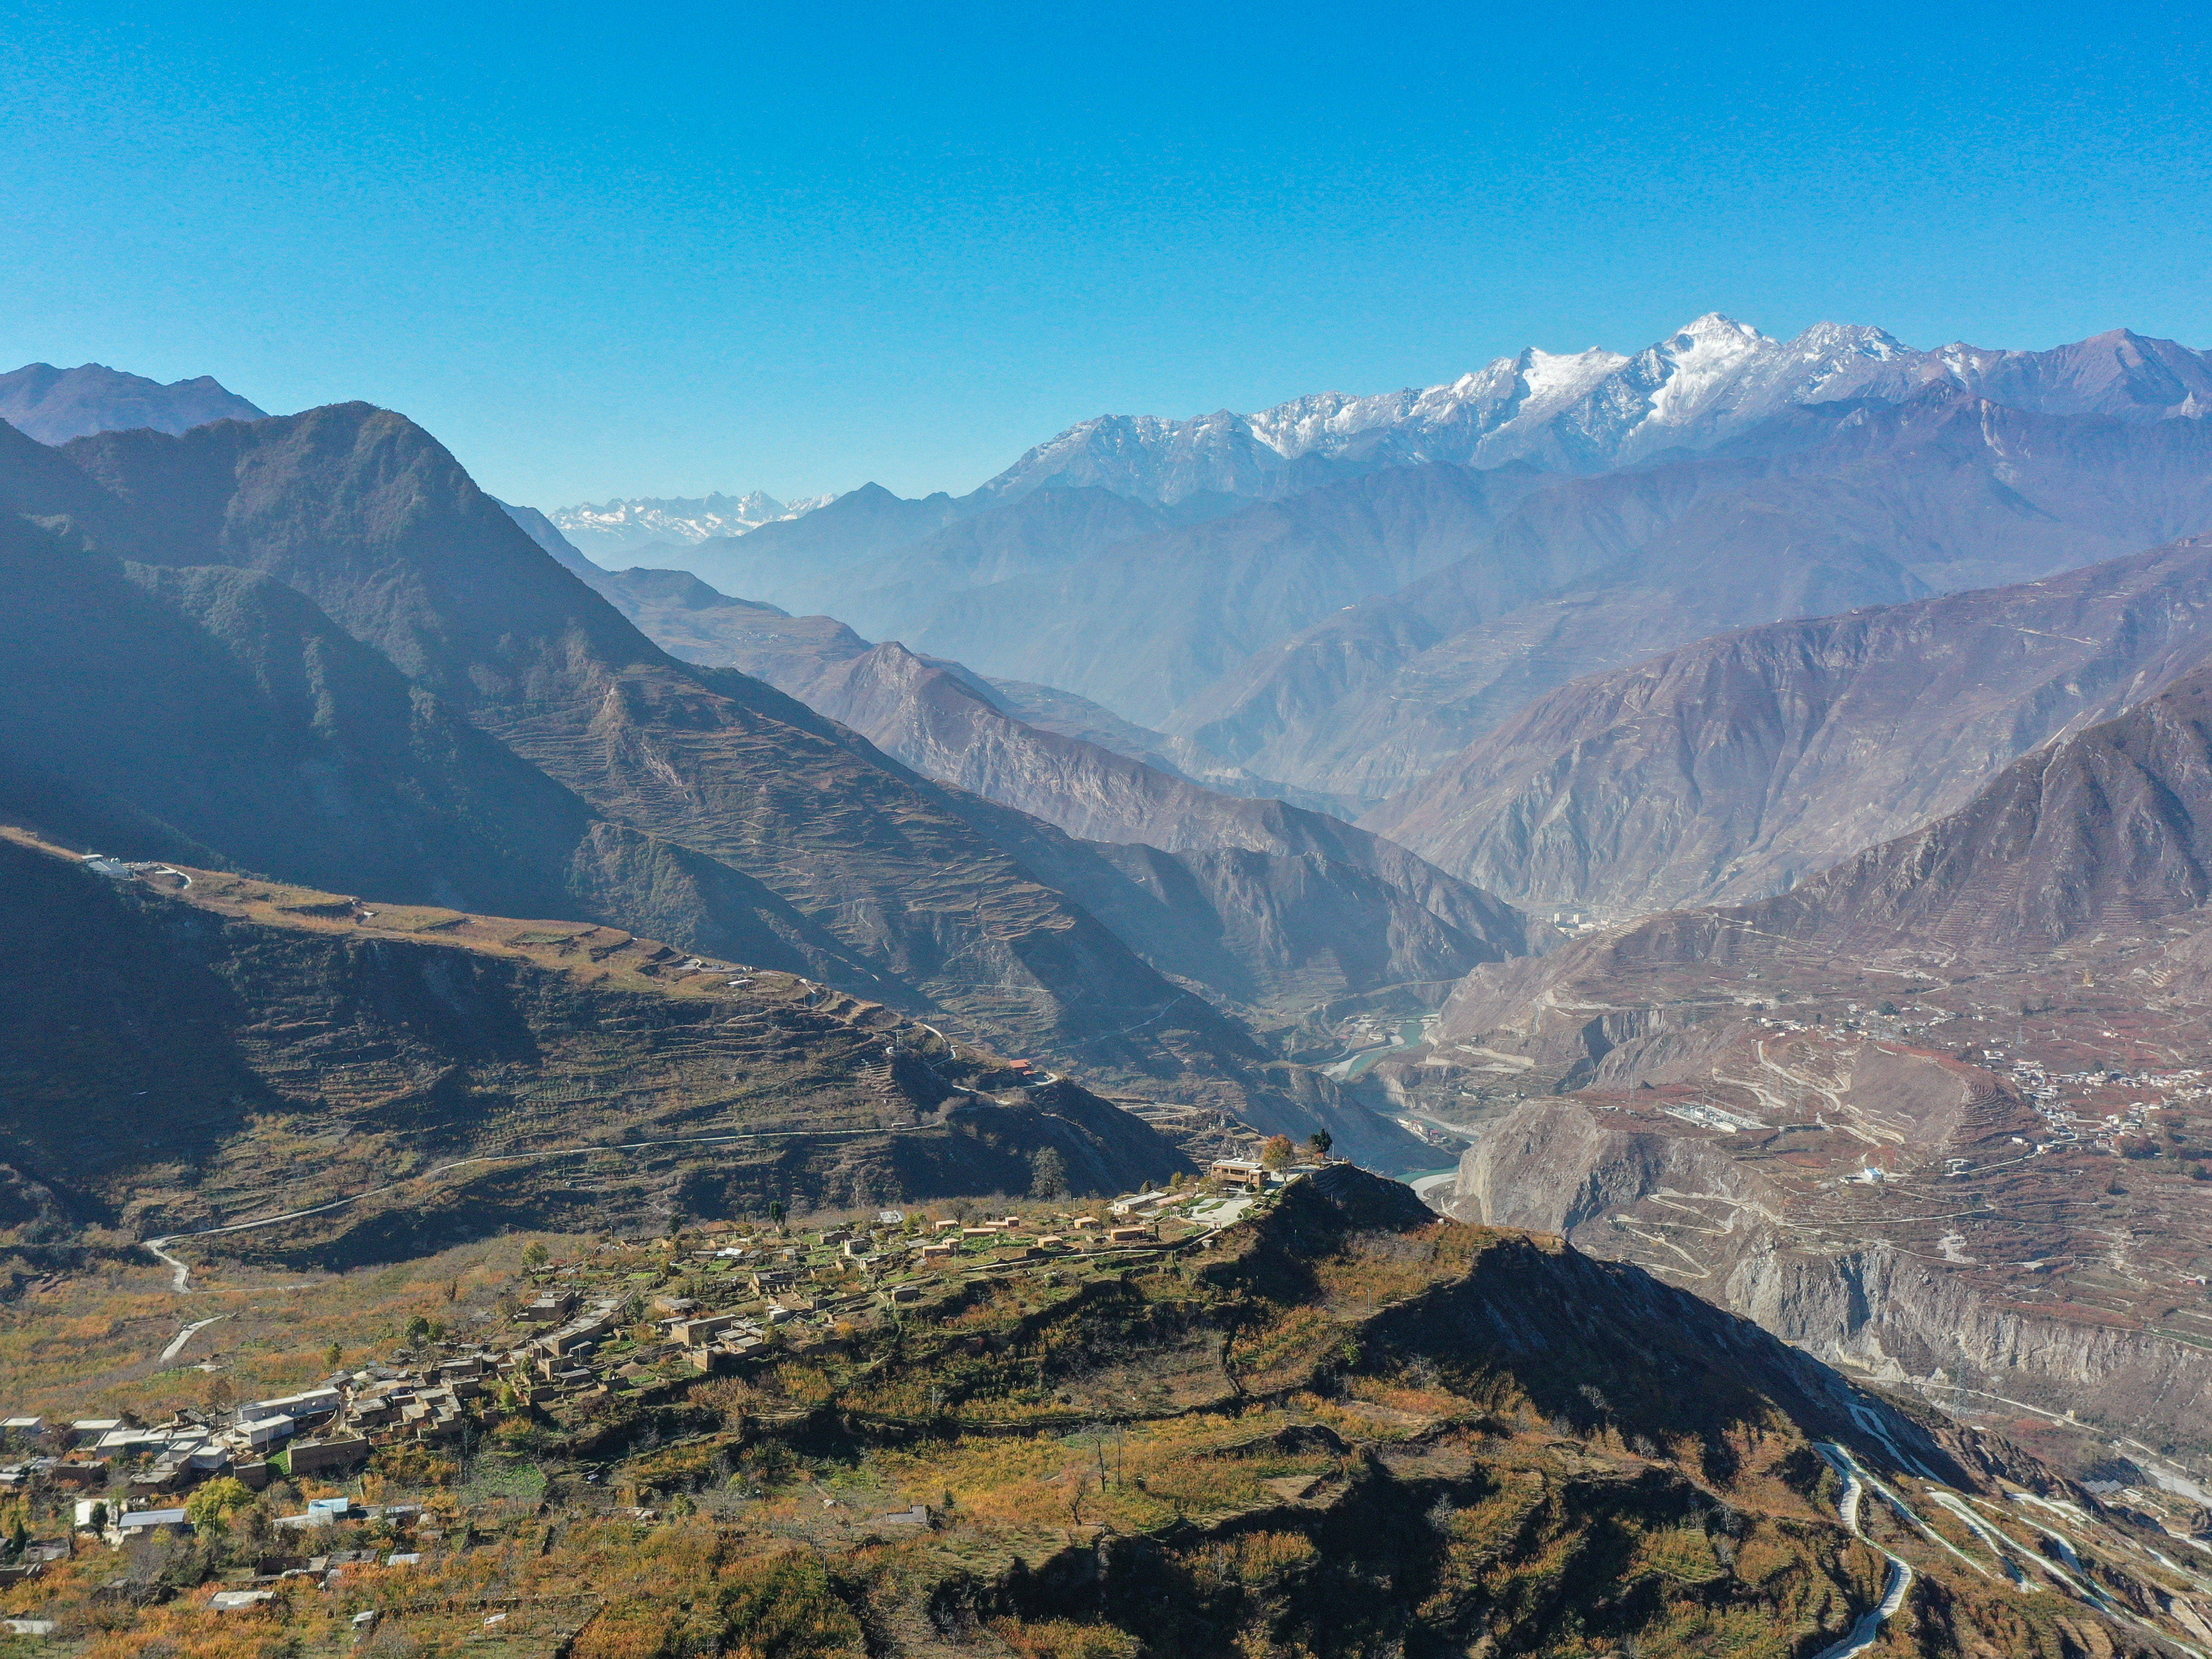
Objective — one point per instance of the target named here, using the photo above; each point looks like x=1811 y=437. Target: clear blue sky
x=662 y=249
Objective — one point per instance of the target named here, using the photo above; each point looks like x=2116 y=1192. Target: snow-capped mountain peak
x=1589 y=409
x=623 y=526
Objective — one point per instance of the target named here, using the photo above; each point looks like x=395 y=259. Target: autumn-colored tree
x=211 y=1508
x=787 y=1609
x=1278 y=1153
x=537 y=1255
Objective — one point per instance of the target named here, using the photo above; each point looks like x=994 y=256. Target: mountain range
x=613 y=530
x=1275 y=905
x=1595 y=409
x=1419 y=566
x=56 y=404
x=1848 y=706
x=1733 y=767
x=358 y=671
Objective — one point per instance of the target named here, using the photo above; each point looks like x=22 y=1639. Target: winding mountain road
x=1866 y=1631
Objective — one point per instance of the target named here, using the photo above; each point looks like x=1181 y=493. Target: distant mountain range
x=1728 y=769
x=610 y=531
x=1339 y=593
x=56 y=404
x=1596 y=408
x=1271 y=908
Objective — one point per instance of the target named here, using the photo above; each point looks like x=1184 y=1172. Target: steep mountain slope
x=821 y=547
x=367 y=516
x=1262 y=903
x=1934 y=1112
x=250 y=731
x=543 y=531
x=54 y=405
x=1049 y=708
x=2104 y=831
x=178 y=1058
x=2099 y=836
x=1727 y=770
x=1596 y=408
x=1823 y=509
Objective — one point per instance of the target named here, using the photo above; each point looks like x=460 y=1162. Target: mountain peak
x=1717 y=328
x=54 y=405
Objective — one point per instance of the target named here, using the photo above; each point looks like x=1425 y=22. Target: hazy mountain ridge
x=408 y=556
x=606 y=530
x=54 y=405
x=703 y=791
x=1827 y=508
x=1728 y=768
x=1314 y=910
x=2102 y=834
x=1166 y=602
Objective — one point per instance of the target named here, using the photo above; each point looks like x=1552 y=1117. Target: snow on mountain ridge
x=682 y=521
x=1597 y=409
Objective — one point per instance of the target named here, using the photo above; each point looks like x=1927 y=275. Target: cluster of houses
x=579 y=1334
x=773 y=1294
x=131 y=1477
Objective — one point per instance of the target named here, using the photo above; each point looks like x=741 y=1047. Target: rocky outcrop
x=1895 y=1311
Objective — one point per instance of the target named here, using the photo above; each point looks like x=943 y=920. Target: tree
x=776 y=1213
x=1278 y=1153
x=333 y=1356
x=537 y=1255
x=1047 y=1174
x=211 y=1508
x=1318 y=1144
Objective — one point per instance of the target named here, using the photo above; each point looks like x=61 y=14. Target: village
x=631 y=1323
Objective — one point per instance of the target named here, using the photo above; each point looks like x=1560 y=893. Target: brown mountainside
x=370 y=519
x=1938 y=1112
x=182 y=1057
x=1731 y=767
x=1302 y=889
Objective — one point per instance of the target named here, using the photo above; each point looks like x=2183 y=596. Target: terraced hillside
x=180 y=1057
x=1337 y=1427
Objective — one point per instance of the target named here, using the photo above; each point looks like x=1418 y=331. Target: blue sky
x=660 y=250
